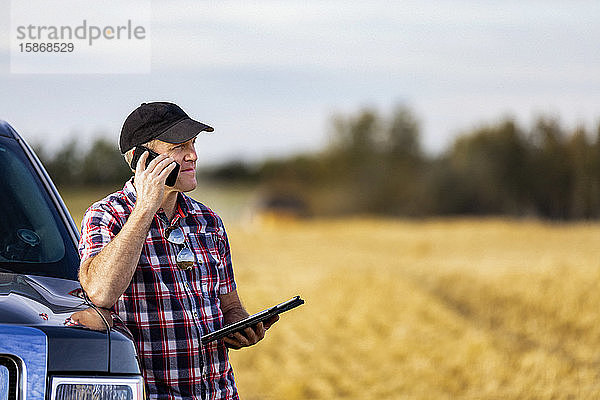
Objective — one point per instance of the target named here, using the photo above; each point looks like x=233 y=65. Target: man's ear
x=128 y=156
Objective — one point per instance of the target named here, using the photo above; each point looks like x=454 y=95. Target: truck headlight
x=80 y=388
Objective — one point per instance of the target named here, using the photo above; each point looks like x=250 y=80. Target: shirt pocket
x=205 y=247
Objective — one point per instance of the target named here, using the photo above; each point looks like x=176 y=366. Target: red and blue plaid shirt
x=168 y=309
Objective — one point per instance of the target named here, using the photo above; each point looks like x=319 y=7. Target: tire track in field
x=494 y=324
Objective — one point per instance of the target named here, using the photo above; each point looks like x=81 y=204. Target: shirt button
x=195 y=314
x=187 y=285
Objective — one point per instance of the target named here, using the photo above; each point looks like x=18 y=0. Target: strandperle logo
x=84 y=31
x=80 y=36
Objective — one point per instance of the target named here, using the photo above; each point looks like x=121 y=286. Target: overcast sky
x=268 y=75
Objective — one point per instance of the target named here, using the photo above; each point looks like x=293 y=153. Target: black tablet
x=253 y=320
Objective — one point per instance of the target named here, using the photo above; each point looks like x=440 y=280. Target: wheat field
x=440 y=309
x=432 y=309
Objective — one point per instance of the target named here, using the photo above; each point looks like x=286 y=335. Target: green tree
x=553 y=184
x=489 y=171
x=585 y=188
x=103 y=164
x=380 y=161
x=65 y=166
x=401 y=186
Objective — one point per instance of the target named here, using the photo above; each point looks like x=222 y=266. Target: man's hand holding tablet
x=251 y=327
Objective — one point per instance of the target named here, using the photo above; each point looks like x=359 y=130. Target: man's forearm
x=234 y=314
x=232 y=308
x=107 y=275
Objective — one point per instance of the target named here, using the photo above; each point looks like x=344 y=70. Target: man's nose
x=191 y=155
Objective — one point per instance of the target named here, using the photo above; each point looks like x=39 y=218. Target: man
x=161 y=261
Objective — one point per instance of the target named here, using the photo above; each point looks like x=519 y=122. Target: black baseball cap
x=158 y=120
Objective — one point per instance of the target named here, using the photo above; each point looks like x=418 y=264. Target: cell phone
x=137 y=153
x=252 y=320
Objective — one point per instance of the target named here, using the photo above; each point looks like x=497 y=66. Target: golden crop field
x=441 y=309
x=433 y=309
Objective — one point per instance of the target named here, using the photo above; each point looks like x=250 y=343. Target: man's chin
x=186 y=186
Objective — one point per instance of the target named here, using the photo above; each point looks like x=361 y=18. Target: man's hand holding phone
x=137 y=153
x=150 y=180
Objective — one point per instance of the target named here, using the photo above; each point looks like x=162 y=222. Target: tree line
x=376 y=164
x=74 y=165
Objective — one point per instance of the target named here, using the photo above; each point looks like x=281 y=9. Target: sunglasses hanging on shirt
x=185 y=258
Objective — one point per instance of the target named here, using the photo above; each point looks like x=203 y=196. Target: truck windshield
x=33 y=238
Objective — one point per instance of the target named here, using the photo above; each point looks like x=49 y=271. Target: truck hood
x=79 y=338
x=39 y=301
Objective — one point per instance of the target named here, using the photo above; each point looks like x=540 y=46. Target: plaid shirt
x=168 y=309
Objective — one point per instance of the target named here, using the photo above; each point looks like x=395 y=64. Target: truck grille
x=9 y=378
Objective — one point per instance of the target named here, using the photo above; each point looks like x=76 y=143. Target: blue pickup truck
x=54 y=343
